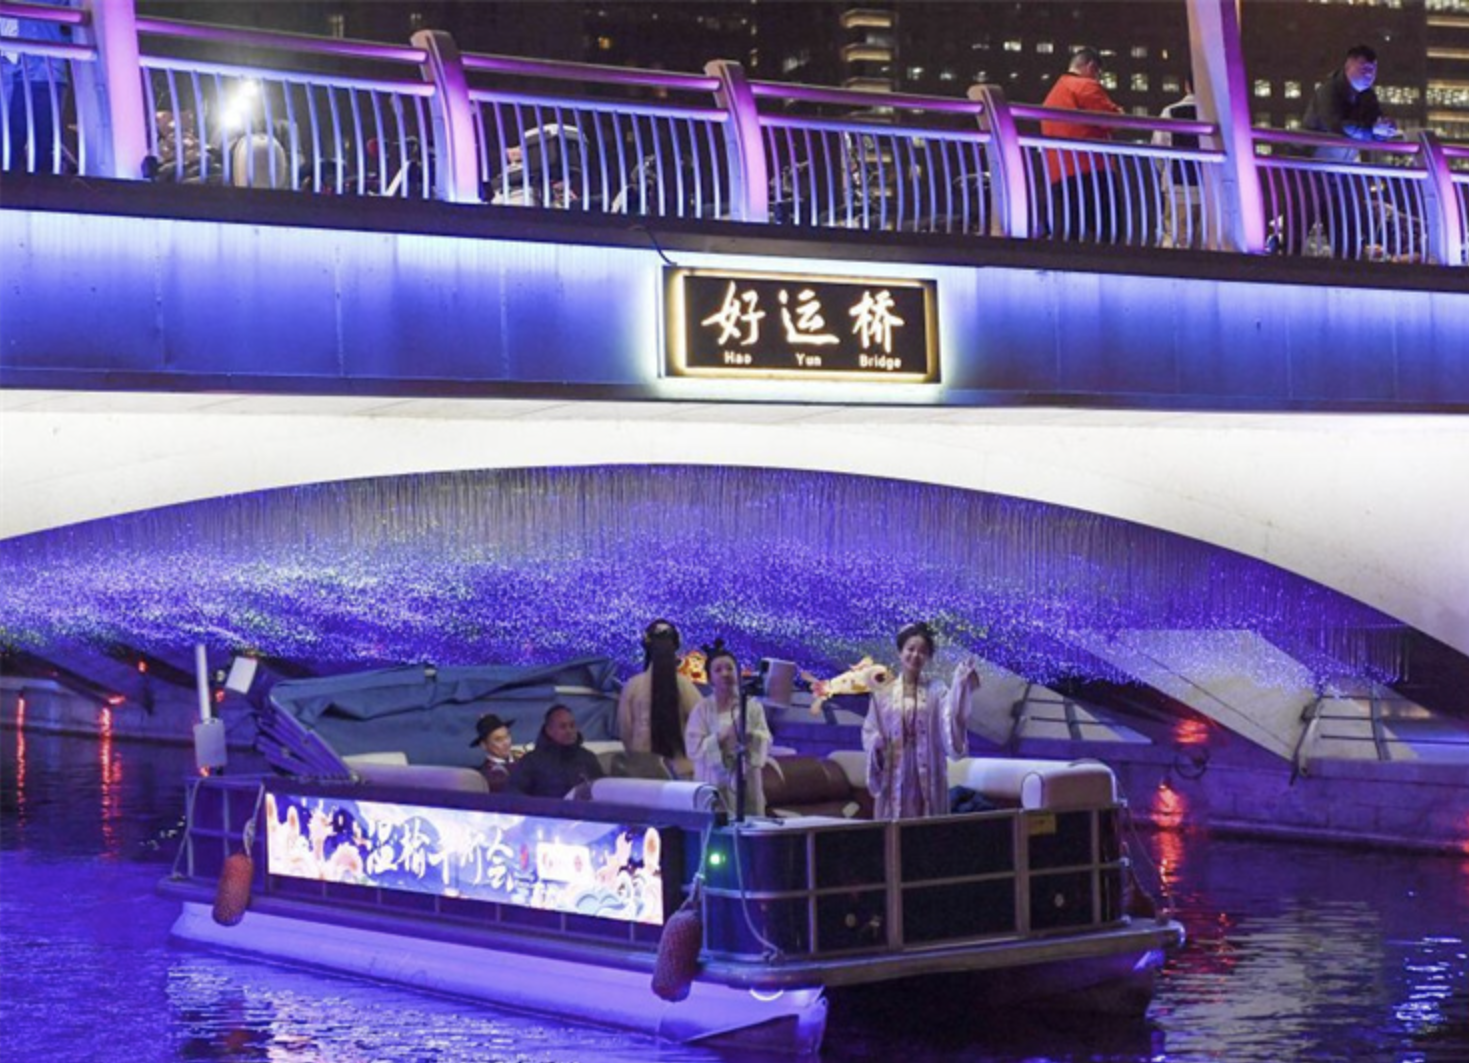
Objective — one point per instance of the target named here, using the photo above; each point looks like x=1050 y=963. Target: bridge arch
x=1363 y=505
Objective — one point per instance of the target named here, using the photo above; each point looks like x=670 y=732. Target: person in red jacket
x=1084 y=191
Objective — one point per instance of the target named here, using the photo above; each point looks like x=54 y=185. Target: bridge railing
x=279 y=123
x=1322 y=201
x=1120 y=179
x=583 y=137
x=133 y=97
x=46 y=134
x=840 y=158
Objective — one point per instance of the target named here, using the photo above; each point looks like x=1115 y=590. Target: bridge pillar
x=456 y=167
x=109 y=92
x=1218 y=59
x=747 y=165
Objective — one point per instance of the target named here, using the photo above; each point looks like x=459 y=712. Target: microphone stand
x=740 y=725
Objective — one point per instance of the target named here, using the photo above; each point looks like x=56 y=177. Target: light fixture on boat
x=766 y=996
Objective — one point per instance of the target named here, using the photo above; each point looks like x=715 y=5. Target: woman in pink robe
x=913 y=726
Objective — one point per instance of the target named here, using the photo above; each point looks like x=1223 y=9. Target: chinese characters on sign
x=582 y=867
x=800 y=327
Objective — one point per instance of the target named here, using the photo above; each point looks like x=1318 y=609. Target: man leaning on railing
x=1344 y=104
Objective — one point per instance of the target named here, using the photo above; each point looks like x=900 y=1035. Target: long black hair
x=660 y=653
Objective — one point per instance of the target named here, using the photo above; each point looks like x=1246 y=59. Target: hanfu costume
x=712 y=740
x=909 y=736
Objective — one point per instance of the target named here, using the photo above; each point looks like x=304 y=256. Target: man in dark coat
x=559 y=763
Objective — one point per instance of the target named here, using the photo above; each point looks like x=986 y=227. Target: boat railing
x=825 y=889
x=805 y=888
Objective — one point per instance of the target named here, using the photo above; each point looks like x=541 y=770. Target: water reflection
x=1295 y=953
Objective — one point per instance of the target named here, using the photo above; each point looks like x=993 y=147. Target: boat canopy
x=427 y=713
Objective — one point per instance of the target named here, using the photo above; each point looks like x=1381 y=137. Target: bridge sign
x=800 y=327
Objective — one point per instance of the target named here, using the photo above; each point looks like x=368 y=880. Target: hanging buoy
x=233 y=895
x=678 y=952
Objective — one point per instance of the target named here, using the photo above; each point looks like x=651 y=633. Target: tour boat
x=637 y=902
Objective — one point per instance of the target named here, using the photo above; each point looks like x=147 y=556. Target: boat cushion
x=672 y=794
x=423 y=777
x=1037 y=784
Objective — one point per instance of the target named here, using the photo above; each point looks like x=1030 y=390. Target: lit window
x=1141 y=111
x=1109 y=79
x=415 y=21
x=1292 y=122
x=981 y=76
x=1012 y=46
x=336 y=26
x=1045 y=47
x=1139 y=51
x=604 y=44
x=947 y=75
x=915 y=73
x=1139 y=83
x=1262 y=89
x=1171 y=84
x=1293 y=90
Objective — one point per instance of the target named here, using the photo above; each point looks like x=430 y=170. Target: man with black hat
x=493 y=735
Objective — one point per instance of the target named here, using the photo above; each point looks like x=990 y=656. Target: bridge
x=1181 y=445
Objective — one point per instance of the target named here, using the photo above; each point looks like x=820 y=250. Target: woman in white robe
x=713 y=737
x=913 y=726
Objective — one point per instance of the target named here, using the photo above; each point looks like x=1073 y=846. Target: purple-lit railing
x=277 y=126
x=1455 y=170
x=919 y=166
x=1116 y=192
x=622 y=141
x=181 y=102
x=1331 y=208
x=40 y=69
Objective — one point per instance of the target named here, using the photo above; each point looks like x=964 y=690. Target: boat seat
x=812 y=786
x=420 y=776
x=674 y=795
x=1054 y=785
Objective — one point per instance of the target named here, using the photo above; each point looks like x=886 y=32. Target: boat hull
x=791 y=1020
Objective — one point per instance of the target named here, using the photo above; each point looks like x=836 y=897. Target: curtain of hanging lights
x=531 y=566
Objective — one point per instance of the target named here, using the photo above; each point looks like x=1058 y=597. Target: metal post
x=109 y=92
x=456 y=169
x=1009 y=189
x=1219 y=82
x=749 y=174
x=1445 y=214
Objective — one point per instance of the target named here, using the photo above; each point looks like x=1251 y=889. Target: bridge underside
x=258 y=343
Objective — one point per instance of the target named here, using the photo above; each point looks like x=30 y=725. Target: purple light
x=532 y=566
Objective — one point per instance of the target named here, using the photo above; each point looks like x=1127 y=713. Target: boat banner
x=579 y=867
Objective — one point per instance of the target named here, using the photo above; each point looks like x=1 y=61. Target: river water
x=1295 y=954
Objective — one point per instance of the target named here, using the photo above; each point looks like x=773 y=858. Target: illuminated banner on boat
x=800 y=327
x=579 y=867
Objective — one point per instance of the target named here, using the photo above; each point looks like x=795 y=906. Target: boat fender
x=678 y=951
x=233 y=895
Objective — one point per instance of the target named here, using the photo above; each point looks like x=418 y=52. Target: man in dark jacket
x=1346 y=104
x=559 y=763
